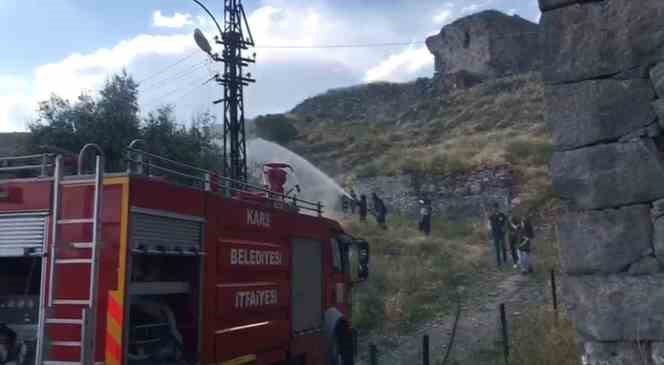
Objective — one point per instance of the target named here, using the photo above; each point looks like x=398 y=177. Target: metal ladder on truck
x=61 y=335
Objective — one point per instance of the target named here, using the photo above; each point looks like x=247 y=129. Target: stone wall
x=454 y=197
x=605 y=96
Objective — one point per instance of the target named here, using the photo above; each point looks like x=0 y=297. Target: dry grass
x=539 y=338
x=493 y=124
x=411 y=273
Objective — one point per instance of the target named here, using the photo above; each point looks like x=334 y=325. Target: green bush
x=277 y=128
x=370 y=169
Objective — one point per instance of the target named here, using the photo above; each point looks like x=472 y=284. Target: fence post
x=373 y=354
x=554 y=295
x=503 y=325
x=425 y=350
x=553 y=290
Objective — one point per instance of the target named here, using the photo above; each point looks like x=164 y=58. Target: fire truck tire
x=341 y=348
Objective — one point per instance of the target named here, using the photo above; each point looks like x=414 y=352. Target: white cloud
x=472 y=8
x=444 y=16
x=401 y=66
x=177 y=20
x=316 y=69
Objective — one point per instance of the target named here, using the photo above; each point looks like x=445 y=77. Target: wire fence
x=422 y=339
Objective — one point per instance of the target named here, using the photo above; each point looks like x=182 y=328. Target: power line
x=359 y=45
x=172 y=92
x=169 y=66
x=383 y=44
x=188 y=71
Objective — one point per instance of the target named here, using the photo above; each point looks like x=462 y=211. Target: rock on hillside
x=377 y=102
x=488 y=44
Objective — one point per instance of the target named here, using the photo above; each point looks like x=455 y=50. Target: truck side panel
x=26 y=196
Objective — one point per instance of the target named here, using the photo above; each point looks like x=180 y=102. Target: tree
x=195 y=145
x=277 y=128
x=112 y=121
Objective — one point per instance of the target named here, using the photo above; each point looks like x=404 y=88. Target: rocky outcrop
x=378 y=101
x=604 y=95
x=488 y=44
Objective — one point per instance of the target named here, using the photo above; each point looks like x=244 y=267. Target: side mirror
x=358 y=257
x=363 y=248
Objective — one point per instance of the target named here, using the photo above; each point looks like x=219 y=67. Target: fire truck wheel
x=341 y=351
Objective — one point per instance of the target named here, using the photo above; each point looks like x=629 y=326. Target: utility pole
x=234 y=42
x=233 y=38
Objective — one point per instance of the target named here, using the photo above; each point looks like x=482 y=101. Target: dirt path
x=477 y=330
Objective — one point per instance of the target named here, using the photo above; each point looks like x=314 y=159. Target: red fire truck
x=165 y=263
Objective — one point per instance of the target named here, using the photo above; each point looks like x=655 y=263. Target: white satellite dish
x=201 y=41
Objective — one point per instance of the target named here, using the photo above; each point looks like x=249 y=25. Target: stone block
x=658 y=107
x=658 y=239
x=657 y=78
x=605 y=241
x=647 y=265
x=546 y=5
x=657 y=209
x=601 y=38
x=595 y=111
x=616 y=307
x=615 y=353
x=610 y=175
x=657 y=349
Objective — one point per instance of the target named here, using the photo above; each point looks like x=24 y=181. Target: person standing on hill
x=380 y=211
x=363 y=209
x=425 y=217
x=526 y=236
x=497 y=221
x=513 y=237
x=353 y=201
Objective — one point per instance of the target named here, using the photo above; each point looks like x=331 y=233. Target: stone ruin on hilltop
x=486 y=45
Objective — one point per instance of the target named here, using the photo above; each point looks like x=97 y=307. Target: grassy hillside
x=413 y=275
x=392 y=129
x=389 y=129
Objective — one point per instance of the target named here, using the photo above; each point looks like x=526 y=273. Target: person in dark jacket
x=353 y=201
x=513 y=237
x=497 y=222
x=425 y=217
x=363 y=209
x=526 y=236
x=380 y=211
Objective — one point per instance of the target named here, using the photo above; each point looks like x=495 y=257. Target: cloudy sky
x=68 y=47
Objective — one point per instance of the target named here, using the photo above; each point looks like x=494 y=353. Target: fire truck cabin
x=166 y=263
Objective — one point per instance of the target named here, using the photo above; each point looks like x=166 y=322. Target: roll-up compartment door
x=22 y=234
x=165 y=234
x=307 y=285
